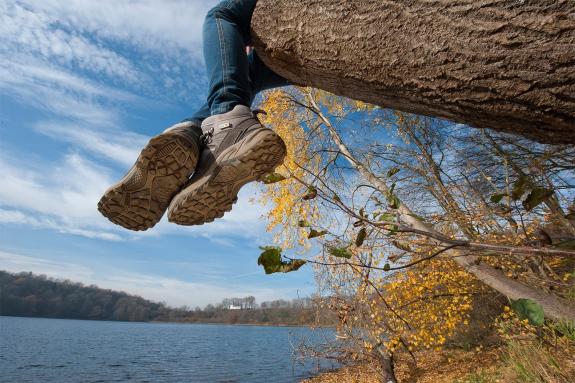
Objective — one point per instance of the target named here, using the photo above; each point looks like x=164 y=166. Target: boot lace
x=207 y=137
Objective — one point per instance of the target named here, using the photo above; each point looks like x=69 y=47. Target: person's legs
x=226 y=33
x=234 y=77
x=260 y=78
x=238 y=149
x=139 y=200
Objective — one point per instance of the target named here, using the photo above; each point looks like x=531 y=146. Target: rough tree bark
x=508 y=65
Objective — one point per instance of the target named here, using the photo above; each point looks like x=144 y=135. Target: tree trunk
x=508 y=65
x=387 y=370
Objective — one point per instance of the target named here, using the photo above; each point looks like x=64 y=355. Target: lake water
x=56 y=350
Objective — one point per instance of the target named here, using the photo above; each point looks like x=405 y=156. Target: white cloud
x=175 y=292
x=26 y=31
x=62 y=57
x=178 y=293
x=60 y=92
x=152 y=24
x=79 y=67
x=20 y=218
x=17 y=263
x=244 y=223
x=122 y=147
x=82 y=33
x=245 y=219
x=140 y=45
x=63 y=197
x=61 y=189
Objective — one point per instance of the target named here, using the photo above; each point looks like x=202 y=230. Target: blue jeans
x=235 y=78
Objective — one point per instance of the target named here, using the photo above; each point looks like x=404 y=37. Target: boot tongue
x=220 y=119
x=241 y=111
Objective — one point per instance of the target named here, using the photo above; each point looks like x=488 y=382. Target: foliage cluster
x=26 y=294
x=409 y=221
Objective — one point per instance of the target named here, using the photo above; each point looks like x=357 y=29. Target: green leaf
x=340 y=252
x=392 y=172
x=311 y=193
x=303 y=223
x=360 y=237
x=271 y=260
x=272 y=178
x=496 y=198
x=519 y=188
x=386 y=267
x=566 y=328
x=530 y=310
x=393 y=201
x=535 y=197
x=387 y=217
x=315 y=233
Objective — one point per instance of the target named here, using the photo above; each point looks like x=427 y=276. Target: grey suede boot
x=238 y=149
x=138 y=201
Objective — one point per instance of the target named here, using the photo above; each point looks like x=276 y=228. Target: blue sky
x=83 y=85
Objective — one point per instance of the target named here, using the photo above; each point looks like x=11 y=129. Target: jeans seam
x=223 y=55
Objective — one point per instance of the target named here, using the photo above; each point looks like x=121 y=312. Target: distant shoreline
x=248 y=324
x=176 y=322
x=28 y=295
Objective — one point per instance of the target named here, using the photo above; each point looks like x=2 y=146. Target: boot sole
x=213 y=195
x=139 y=200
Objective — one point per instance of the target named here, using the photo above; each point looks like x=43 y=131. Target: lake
x=58 y=350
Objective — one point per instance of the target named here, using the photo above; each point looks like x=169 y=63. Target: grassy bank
x=517 y=361
x=446 y=366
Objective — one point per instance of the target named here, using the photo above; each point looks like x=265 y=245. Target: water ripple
x=68 y=351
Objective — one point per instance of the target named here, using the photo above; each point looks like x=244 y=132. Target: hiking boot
x=238 y=150
x=138 y=201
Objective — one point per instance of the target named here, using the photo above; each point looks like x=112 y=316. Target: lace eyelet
x=206 y=138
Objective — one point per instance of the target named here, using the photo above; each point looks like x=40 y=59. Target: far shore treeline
x=31 y=295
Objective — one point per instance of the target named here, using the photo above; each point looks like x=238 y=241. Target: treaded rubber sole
x=210 y=197
x=138 y=201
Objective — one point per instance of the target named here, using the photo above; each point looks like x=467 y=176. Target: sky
x=83 y=85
